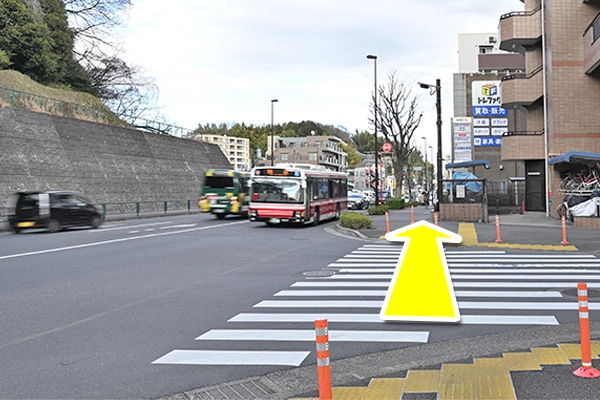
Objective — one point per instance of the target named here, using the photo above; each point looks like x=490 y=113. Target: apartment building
x=237 y=150
x=479 y=121
x=559 y=92
x=315 y=150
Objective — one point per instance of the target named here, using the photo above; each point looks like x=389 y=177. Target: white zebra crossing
x=524 y=289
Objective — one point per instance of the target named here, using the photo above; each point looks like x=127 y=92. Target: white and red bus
x=297 y=193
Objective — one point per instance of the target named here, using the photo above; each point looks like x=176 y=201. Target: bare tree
x=397 y=119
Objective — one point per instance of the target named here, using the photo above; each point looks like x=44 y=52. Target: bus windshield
x=269 y=190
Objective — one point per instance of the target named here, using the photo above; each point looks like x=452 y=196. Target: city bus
x=225 y=192
x=297 y=193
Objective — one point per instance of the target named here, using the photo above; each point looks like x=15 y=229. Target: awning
x=575 y=157
x=466 y=164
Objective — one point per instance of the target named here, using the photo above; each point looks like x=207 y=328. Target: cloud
x=223 y=61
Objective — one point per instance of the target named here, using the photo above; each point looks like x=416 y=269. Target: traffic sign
x=386 y=147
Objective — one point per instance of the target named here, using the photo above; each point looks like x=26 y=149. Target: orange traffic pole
x=435 y=219
x=586 y=370
x=564 y=230
x=324 y=369
x=498 y=239
x=387 y=222
x=412 y=214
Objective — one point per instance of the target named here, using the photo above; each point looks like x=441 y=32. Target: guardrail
x=133 y=208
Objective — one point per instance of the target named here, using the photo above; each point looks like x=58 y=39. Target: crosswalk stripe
x=498 y=284
x=309 y=335
x=469 y=276
x=226 y=357
x=374 y=318
x=382 y=293
x=506 y=305
x=477 y=271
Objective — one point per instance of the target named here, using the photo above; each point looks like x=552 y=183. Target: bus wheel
x=337 y=212
x=316 y=217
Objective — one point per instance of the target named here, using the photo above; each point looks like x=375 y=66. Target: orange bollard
x=586 y=370
x=387 y=222
x=522 y=206
x=324 y=369
x=564 y=230
x=435 y=219
x=412 y=214
x=498 y=239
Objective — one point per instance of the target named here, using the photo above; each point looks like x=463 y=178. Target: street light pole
x=426 y=167
x=437 y=88
x=272 y=133
x=374 y=58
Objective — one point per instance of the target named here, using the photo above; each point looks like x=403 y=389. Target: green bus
x=224 y=192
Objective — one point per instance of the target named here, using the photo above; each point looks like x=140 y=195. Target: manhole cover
x=319 y=273
x=592 y=294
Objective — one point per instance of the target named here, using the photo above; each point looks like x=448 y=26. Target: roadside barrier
x=586 y=370
x=412 y=214
x=564 y=230
x=387 y=222
x=498 y=239
x=435 y=219
x=324 y=369
x=522 y=206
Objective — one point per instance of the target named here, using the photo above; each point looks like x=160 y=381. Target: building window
x=312 y=156
x=284 y=157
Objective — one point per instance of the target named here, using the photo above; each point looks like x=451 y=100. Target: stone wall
x=464 y=212
x=107 y=163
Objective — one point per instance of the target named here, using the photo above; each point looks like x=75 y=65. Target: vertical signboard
x=462 y=139
x=489 y=119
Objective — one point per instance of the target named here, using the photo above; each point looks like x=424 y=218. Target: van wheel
x=317 y=217
x=95 y=222
x=53 y=226
x=16 y=230
x=220 y=216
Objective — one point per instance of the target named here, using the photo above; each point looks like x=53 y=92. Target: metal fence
x=137 y=209
x=458 y=191
x=501 y=197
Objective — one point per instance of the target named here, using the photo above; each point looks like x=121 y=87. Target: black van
x=53 y=211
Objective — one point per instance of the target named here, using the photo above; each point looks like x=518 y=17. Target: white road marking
x=382 y=293
x=225 y=357
x=475 y=271
x=105 y=242
x=123 y=227
x=480 y=284
x=469 y=276
x=374 y=318
x=467 y=305
x=309 y=335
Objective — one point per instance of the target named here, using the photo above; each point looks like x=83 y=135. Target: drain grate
x=246 y=389
x=318 y=273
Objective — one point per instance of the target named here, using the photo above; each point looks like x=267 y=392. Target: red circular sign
x=387 y=147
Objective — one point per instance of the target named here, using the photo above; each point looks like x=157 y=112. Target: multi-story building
x=237 y=150
x=479 y=121
x=559 y=90
x=315 y=150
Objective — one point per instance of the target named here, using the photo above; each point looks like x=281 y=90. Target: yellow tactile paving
x=528 y=246
x=595 y=347
x=384 y=389
x=492 y=379
x=573 y=350
x=422 y=381
x=525 y=361
x=457 y=382
x=467 y=231
x=550 y=355
x=348 y=393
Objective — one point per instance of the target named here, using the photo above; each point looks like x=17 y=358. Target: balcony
x=527 y=145
x=591 y=48
x=520 y=28
x=522 y=89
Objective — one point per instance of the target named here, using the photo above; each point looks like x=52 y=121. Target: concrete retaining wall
x=107 y=163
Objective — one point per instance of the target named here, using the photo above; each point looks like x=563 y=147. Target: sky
x=223 y=61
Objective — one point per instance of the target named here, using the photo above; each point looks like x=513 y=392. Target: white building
x=237 y=150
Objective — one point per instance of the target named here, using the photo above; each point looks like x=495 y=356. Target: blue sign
x=487 y=141
x=489 y=111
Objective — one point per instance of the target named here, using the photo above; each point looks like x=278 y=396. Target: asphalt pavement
x=498 y=366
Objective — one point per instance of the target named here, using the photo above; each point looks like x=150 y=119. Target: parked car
x=369 y=195
x=53 y=211
x=356 y=201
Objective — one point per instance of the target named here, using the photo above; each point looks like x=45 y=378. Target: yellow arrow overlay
x=421 y=288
